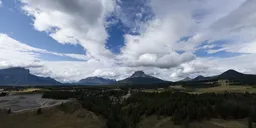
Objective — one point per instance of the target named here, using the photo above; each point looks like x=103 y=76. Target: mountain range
x=231 y=75
x=20 y=76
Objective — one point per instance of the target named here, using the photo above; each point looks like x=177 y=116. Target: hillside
x=70 y=115
x=166 y=122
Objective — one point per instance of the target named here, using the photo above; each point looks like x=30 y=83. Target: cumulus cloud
x=0 y=3
x=159 y=43
x=75 y=22
x=166 y=61
x=204 y=24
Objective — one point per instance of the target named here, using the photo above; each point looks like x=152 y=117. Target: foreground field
x=71 y=116
x=154 y=122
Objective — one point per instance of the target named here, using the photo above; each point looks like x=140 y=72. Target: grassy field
x=217 y=89
x=221 y=89
x=154 y=122
x=65 y=116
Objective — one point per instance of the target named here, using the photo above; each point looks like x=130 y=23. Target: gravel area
x=18 y=103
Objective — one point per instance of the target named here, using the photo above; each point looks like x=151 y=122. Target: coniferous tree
x=9 y=111
x=39 y=111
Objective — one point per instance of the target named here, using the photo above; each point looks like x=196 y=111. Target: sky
x=69 y=40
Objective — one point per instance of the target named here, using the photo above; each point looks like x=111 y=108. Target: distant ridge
x=96 y=81
x=186 y=79
x=199 y=78
x=140 y=78
x=21 y=77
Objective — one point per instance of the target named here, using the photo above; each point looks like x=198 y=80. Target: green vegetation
x=154 y=122
x=59 y=94
x=222 y=89
x=3 y=94
x=180 y=107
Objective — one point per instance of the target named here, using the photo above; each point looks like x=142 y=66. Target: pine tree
x=9 y=111
x=39 y=111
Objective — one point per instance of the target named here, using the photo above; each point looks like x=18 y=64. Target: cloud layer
x=169 y=39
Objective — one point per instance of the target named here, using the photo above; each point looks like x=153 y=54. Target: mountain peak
x=22 y=76
x=186 y=79
x=15 y=70
x=96 y=81
x=139 y=74
x=199 y=78
x=140 y=78
x=231 y=73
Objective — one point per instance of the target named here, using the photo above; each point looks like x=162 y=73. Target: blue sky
x=19 y=26
x=168 y=38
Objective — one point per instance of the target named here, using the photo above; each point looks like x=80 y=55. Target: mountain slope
x=186 y=79
x=96 y=81
x=140 y=78
x=22 y=76
x=231 y=74
x=199 y=78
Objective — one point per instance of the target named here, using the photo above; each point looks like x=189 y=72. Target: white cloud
x=166 y=61
x=12 y=45
x=16 y=54
x=209 y=20
x=76 y=21
x=237 y=28
x=158 y=43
